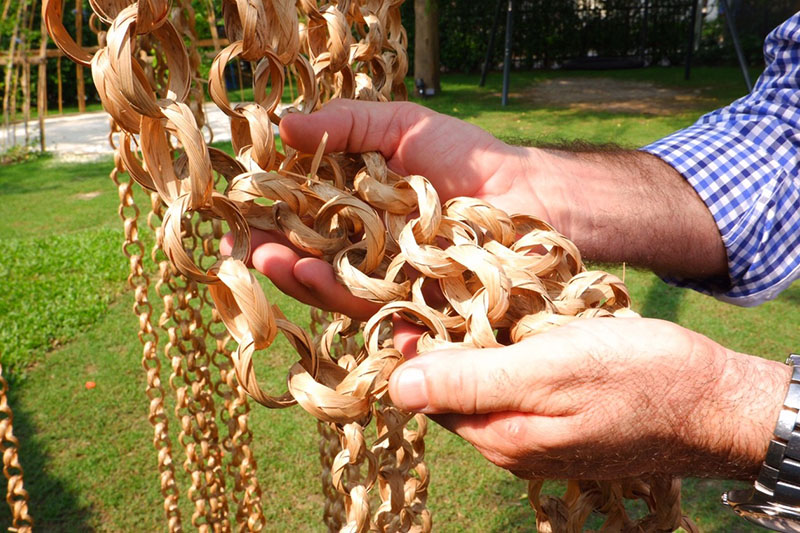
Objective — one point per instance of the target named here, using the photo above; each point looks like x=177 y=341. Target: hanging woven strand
x=183 y=325
x=385 y=235
x=16 y=495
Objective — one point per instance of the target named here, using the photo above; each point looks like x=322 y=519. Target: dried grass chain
x=16 y=495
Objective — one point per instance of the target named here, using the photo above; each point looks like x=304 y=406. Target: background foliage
x=550 y=33
x=547 y=34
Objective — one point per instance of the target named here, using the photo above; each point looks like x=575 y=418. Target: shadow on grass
x=662 y=301
x=53 y=506
x=792 y=294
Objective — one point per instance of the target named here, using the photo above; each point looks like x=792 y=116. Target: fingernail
x=411 y=389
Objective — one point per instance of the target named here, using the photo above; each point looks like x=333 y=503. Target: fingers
x=352 y=126
x=480 y=381
x=304 y=278
x=556 y=373
x=257 y=238
x=277 y=262
x=532 y=444
x=406 y=336
x=318 y=278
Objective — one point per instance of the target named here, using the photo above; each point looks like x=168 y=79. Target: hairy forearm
x=624 y=205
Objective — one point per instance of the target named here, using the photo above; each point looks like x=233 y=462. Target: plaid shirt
x=743 y=162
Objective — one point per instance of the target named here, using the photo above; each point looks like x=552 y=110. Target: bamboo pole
x=6 y=5
x=41 y=83
x=9 y=70
x=241 y=81
x=60 y=87
x=26 y=98
x=26 y=76
x=15 y=80
x=211 y=17
x=79 y=68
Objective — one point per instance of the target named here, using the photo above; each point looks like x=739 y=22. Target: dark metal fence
x=600 y=33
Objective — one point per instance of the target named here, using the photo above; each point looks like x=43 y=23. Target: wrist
x=627 y=206
x=552 y=183
x=575 y=187
x=750 y=395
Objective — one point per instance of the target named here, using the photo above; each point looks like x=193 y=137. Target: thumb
x=473 y=381
x=352 y=126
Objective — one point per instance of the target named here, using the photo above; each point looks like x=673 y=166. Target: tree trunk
x=426 y=46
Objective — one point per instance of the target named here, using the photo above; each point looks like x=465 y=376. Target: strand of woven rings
x=187 y=334
x=16 y=495
x=353 y=212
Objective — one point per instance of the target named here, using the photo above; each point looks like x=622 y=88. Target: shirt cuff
x=753 y=200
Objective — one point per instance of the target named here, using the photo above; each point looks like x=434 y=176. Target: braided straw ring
x=132 y=164
x=284 y=27
x=390 y=198
x=307 y=86
x=269 y=68
x=321 y=399
x=350 y=456
x=243 y=359
x=597 y=289
x=304 y=237
x=451 y=319
x=107 y=10
x=150 y=15
x=247 y=187
x=120 y=49
x=252 y=136
x=339 y=38
x=341 y=325
x=430 y=210
x=430 y=260
x=409 y=311
x=348 y=208
x=489 y=272
x=253 y=18
x=372 y=37
x=340 y=396
x=220 y=207
x=114 y=102
x=245 y=374
x=562 y=254
x=241 y=304
x=177 y=119
x=53 y=13
x=494 y=222
x=369 y=288
x=216 y=78
x=300 y=341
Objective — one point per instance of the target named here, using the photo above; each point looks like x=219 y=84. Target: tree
x=426 y=45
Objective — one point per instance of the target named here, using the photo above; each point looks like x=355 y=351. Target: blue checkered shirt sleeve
x=743 y=162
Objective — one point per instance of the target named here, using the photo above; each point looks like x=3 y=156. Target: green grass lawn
x=65 y=318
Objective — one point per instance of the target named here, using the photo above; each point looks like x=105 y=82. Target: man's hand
x=602 y=398
x=458 y=158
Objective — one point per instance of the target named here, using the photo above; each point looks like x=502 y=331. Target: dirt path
x=85 y=137
x=615 y=96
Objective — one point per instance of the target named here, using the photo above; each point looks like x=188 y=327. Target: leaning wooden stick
x=385 y=235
